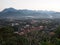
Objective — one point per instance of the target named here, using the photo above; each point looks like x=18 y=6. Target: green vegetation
x=8 y=37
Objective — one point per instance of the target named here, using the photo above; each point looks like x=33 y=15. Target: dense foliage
x=38 y=37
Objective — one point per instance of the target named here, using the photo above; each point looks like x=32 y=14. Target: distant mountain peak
x=9 y=10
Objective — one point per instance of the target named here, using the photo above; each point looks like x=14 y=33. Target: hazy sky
x=31 y=4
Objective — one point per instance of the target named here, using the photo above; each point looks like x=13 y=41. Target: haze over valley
x=28 y=14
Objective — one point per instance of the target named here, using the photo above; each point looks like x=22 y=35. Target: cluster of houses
x=22 y=27
x=28 y=28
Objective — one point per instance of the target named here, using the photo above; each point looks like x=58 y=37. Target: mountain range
x=17 y=14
